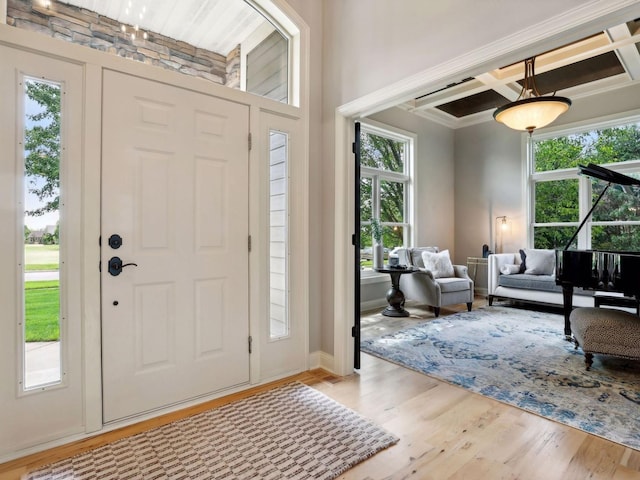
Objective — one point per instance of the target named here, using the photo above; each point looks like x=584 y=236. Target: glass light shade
x=532 y=113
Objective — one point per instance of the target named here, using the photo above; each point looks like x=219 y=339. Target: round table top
x=390 y=269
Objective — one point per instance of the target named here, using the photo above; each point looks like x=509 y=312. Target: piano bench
x=606 y=332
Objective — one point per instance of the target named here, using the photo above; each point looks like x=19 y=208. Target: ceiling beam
x=576 y=52
x=510 y=90
x=447 y=95
x=627 y=54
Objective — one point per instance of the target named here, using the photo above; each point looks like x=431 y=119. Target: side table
x=395 y=297
x=479 y=272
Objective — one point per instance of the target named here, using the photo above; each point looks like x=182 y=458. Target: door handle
x=116 y=266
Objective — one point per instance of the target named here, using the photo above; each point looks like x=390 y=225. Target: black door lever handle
x=116 y=266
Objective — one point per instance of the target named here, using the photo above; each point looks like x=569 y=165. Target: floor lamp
x=501 y=229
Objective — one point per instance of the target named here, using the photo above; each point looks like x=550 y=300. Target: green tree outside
x=385 y=154
x=42 y=146
x=557 y=201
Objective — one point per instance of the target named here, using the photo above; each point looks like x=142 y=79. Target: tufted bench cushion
x=607 y=332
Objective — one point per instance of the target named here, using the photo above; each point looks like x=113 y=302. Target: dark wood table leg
x=395 y=298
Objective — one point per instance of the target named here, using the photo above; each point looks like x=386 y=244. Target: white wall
x=488 y=183
x=311 y=13
x=375 y=43
x=434 y=177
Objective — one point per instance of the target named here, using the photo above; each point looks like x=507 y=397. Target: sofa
x=529 y=276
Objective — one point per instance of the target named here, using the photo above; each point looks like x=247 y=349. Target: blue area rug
x=520 y=357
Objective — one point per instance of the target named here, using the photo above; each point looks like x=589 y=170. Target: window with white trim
x=386 y=161
x=560 y=198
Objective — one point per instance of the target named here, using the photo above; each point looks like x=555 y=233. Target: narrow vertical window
x=278 y=236
x=41 y=265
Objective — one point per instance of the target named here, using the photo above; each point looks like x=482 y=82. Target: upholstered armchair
x=436 y=287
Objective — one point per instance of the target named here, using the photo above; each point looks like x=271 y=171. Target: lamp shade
x=532 y=113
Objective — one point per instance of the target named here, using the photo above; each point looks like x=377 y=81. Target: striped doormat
x=291 y=431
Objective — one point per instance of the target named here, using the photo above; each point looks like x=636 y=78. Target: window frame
x=585 y=193
x=378 y=175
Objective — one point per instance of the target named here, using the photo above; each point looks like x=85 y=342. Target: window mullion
x=585 y=196
x=375 y=190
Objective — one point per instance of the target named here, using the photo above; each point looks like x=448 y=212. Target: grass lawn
x=42 y=311
x=41 y=257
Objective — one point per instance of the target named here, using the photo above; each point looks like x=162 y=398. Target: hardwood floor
x=445 y=432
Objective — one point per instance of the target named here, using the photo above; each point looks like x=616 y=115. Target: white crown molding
x=569 y=26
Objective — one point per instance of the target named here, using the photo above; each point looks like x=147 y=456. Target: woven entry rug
x=520 y=357
x=292 y=432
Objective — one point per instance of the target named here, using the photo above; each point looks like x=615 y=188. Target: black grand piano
x=597 y=269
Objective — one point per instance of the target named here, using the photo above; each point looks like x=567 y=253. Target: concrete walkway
x=42 y=363
x=41 y=275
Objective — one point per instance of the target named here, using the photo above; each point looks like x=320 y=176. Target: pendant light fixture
x=531 y=110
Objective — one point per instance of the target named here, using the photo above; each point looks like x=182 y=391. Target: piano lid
x=601 y=173
x=596 y=171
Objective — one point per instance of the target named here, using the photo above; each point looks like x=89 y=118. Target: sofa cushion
x=539 y=261
x=453 y=284
x=546 y=283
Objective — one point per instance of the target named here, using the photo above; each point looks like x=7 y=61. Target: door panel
x=175 y=187
x=284 y=317
x=54 y=409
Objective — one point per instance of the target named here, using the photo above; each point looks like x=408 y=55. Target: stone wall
x=233 y=68
x=87 y=28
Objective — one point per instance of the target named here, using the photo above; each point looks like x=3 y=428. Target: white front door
x=175 y=190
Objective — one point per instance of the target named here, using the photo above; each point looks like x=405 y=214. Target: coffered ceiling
x=605 y=61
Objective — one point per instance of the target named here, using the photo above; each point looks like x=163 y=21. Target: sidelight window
x=278 y=235
x=41 y=325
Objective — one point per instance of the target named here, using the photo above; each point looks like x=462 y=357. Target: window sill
x=371 y=277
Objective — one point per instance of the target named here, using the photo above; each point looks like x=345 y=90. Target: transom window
x=560 y=198
x=386 y=158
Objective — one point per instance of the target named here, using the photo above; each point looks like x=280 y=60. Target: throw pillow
x=510 y=269
x=416 y=255
x=540 y=262
x=523 y=261
x=438 y=263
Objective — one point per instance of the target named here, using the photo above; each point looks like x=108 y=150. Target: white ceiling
x=215 y=25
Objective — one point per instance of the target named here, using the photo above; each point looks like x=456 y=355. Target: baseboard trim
x=320 y=359
x=373 y=305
